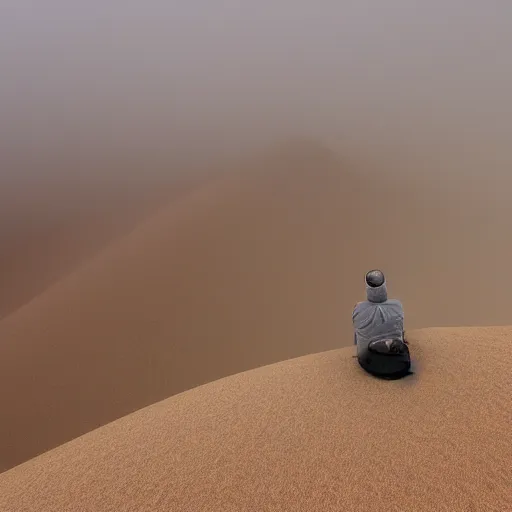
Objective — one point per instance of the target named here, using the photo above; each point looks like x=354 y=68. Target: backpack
x=387 y=358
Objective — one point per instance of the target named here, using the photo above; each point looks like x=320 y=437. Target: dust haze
x=102 y=103
x=121 y=87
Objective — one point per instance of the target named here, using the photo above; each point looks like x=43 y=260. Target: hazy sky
x=431 y=80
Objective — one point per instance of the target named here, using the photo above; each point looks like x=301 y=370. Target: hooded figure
x=379 y=330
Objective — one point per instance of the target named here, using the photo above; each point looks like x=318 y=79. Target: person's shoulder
x=360 y=305
x=394 y=302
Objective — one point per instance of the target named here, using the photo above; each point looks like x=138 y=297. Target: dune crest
x=310 y=434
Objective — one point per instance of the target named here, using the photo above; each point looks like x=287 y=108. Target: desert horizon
x=190 y=197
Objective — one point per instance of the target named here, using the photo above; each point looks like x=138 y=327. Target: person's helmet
x=375 y=278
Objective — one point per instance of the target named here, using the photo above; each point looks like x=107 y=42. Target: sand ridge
x=49 y=229
x=310 y=434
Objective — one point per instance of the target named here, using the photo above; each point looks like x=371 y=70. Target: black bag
x=388 y=359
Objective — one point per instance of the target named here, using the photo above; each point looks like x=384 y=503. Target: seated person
x=379 y=331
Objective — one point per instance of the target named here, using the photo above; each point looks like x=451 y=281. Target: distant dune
x=261 y=265
x=49 y=228
x=310 y=434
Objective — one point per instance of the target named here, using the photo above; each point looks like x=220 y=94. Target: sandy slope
x=309 y=434
x=198 y=293
x=252 y=269
x=49 y=228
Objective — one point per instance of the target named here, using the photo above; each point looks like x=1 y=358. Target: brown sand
x=310 y=434
x=247 y=271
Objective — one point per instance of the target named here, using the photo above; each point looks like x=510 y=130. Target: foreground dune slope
x=223 y=281
x=310 y=434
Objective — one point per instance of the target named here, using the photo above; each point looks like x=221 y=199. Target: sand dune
x=310 y=434
x=195 y=294
x=47 y=229
x=255 y=268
